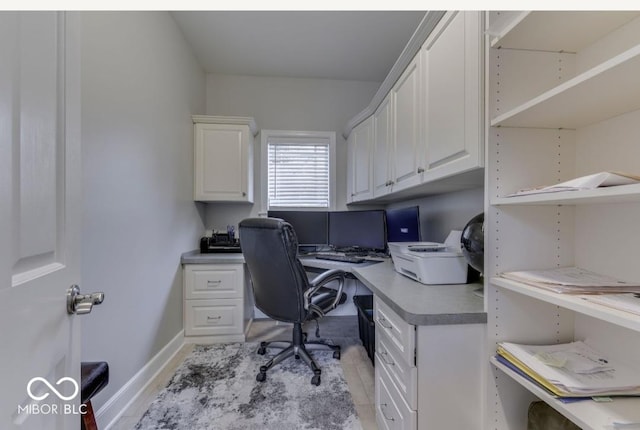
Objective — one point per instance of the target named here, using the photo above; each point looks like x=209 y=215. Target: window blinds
x=298 y=175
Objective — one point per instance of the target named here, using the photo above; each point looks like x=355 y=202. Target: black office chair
x=282 y=290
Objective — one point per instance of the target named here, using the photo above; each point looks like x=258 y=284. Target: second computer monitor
x=310 y=226
x=357 y=229
x=403 y=225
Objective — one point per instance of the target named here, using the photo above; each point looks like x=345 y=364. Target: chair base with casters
x=297 y=348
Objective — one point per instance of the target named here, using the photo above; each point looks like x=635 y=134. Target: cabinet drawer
x=219 y=281
x=213 y=317
x=392 y=412
x=401 y=334
x=404 y=375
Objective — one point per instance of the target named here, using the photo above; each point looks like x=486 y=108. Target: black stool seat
x=94 y=377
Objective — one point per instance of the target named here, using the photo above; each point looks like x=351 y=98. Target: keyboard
x=341 y=258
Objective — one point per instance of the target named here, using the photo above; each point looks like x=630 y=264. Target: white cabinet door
x=453 y=104
x=223 y=163
x=383 y=129
x=360 y=144
x=408 y=145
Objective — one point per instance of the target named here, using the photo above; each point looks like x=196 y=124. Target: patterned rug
x=216 y=388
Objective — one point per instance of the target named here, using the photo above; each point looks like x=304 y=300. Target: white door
x=40 y=219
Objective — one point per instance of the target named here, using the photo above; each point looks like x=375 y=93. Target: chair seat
x=94 y=377
x=325 y=296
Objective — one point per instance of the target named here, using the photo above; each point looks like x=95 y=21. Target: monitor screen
x=403 y=225
x=310 y=226
x=357 y=229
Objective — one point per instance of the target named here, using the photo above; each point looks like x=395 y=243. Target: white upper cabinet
x=360 y=145
x=223 y=159
x=383 y=130
x=429 y=127
x=453 y=107
x=407 y=143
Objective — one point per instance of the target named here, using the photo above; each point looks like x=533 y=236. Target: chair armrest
x=323 y=279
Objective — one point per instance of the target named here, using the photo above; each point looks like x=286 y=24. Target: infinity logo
x=52 y=388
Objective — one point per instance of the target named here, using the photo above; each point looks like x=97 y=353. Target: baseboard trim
x=113 y=409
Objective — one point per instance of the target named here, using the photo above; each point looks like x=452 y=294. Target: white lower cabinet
x=392 y=411
x=427 y=376
x=214 y=303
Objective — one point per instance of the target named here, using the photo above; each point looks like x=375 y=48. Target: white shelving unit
x=563 y=102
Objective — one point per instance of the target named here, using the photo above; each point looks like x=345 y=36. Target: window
x=298 y=169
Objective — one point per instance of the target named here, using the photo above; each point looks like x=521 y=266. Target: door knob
x=80 y=304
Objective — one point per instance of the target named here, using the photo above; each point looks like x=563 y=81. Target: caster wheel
x=315 y=380
x=297 y=357
x=261 y=377
x=336 y=355
x=262 y=350
x=304 y=337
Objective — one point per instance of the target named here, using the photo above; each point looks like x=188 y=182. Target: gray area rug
x=216 y=388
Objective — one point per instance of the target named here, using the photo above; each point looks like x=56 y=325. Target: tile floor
x=343 y=330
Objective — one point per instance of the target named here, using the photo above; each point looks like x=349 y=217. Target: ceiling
x=353 y=45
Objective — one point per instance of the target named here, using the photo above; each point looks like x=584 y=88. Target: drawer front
x=213 y=317
x=401 y=334
x=403 y=374
x=220 y=281
x=392 y=412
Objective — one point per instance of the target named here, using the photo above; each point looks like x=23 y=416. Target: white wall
x=286 y=104
x=140 y=85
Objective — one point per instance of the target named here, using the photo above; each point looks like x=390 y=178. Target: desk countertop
x=195 y=257
x=416 y=303
x=421 y=304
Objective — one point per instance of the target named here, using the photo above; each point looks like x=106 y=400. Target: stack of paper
x=571 y=370
x=572 y=280
x=589 y=182
x=622 y=302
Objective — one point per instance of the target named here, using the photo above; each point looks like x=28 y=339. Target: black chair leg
x=298 y=349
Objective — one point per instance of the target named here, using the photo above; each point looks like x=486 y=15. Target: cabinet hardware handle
x=420 y=170
x=213 y=318
x=214 y=283
x=383 y=406
x=244 y=194
x=391 y=182
x=381 y=321
x=384 y=354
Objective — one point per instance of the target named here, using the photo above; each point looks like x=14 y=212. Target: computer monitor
x=310 y=226
x=357 y=229
x=403 y=225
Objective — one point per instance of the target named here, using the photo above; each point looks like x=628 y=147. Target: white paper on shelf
x=623 y=302
x=571 y=279
x=589 y=182
x=617 y=379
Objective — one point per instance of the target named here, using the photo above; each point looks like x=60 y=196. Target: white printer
x=431 y=263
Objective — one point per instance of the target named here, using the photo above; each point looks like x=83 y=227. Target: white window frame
x=267 y=136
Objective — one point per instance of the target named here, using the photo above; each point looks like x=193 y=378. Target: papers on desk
x=572 y=280
x=589 y=182
x=571 y=369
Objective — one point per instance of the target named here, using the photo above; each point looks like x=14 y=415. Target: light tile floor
x=343 y=330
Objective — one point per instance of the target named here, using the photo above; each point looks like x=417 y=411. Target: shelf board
x=587 y=414
x=558 y=30
x=617 y=194
x=573 y=302
x=605 y=91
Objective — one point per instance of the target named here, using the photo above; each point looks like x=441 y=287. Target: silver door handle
x=81 y=304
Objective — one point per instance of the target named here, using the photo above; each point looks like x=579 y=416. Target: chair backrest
x=270 y=249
